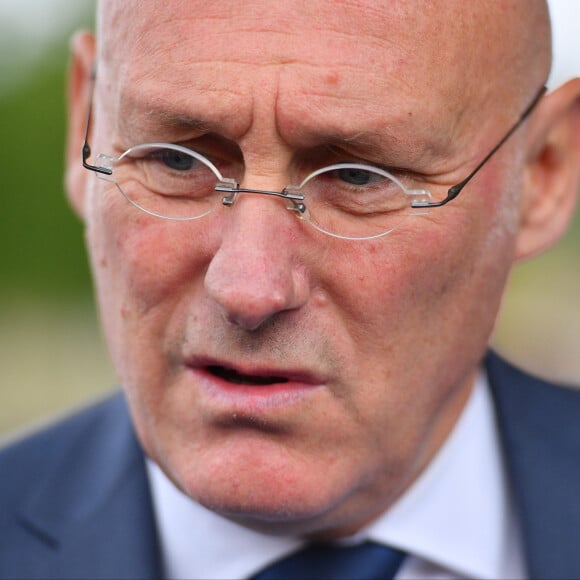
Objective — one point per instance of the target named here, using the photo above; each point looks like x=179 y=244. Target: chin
x=311 y=515
x=286 y=499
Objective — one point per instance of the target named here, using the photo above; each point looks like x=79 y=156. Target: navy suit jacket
x=75 y=502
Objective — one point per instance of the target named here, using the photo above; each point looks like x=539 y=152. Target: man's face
x=281 y=377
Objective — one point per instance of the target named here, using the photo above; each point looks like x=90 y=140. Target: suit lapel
x=94 y=511
x=540 y=429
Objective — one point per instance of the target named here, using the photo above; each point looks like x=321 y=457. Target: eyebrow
x=369 y=144
x=138 y=119
x=143 y=120
x=385 y=147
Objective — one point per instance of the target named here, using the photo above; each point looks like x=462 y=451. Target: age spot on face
x=332 y=78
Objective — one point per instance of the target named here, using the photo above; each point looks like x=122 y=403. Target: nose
x=256 y=272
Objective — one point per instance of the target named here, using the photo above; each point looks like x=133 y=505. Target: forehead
x=394 y=37
x=356 y=60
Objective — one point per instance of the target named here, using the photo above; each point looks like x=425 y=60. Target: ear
x=552 y=173
x=82 y=61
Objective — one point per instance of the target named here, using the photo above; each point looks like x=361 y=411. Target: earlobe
x=82 y=61
x=552 y=175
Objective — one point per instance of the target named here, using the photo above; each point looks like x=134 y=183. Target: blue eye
x=356 y=176
x=176 y=160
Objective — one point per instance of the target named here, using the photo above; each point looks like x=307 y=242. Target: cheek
x=148 y=259
x=143 y=268
x=384 y=286
x=434 y=266
x=421 y=303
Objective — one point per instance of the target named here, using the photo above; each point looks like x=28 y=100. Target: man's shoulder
x=540 y=431
x=31 y=458
x=75 y=502
x=533 y=413
x=511 y=385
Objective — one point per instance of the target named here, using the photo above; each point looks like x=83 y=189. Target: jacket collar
x=540 y=432
x=94 y=509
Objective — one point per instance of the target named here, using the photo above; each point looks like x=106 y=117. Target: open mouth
x=233 y=376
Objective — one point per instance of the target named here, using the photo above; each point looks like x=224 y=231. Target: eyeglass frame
x=452 y=192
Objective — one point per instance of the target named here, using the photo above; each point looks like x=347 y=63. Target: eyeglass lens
x=347 y=200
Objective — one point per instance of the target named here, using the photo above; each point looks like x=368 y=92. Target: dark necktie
x=367 y=561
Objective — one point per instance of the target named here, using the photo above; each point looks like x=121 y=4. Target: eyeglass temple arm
x=455 y=190
x=86 y=146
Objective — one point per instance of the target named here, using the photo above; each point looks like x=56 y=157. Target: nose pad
x=255 y=273
x=294 y=199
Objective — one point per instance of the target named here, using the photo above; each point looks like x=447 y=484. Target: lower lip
x=252 y=399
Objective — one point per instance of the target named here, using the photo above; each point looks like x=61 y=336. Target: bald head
x=509 y=39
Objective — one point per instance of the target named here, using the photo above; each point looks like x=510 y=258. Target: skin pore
x=377 y=342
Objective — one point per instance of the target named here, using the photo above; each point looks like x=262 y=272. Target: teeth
x=234 y=377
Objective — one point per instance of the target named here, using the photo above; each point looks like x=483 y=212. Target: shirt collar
x=197 y=543
x=458 y=514
x=456 y=517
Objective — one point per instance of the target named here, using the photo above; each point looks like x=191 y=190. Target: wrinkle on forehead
x=465 y=57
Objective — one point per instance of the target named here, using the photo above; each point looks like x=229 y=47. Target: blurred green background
x=51 y=353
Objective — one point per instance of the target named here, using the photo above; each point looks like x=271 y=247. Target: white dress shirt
x=455 y=521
